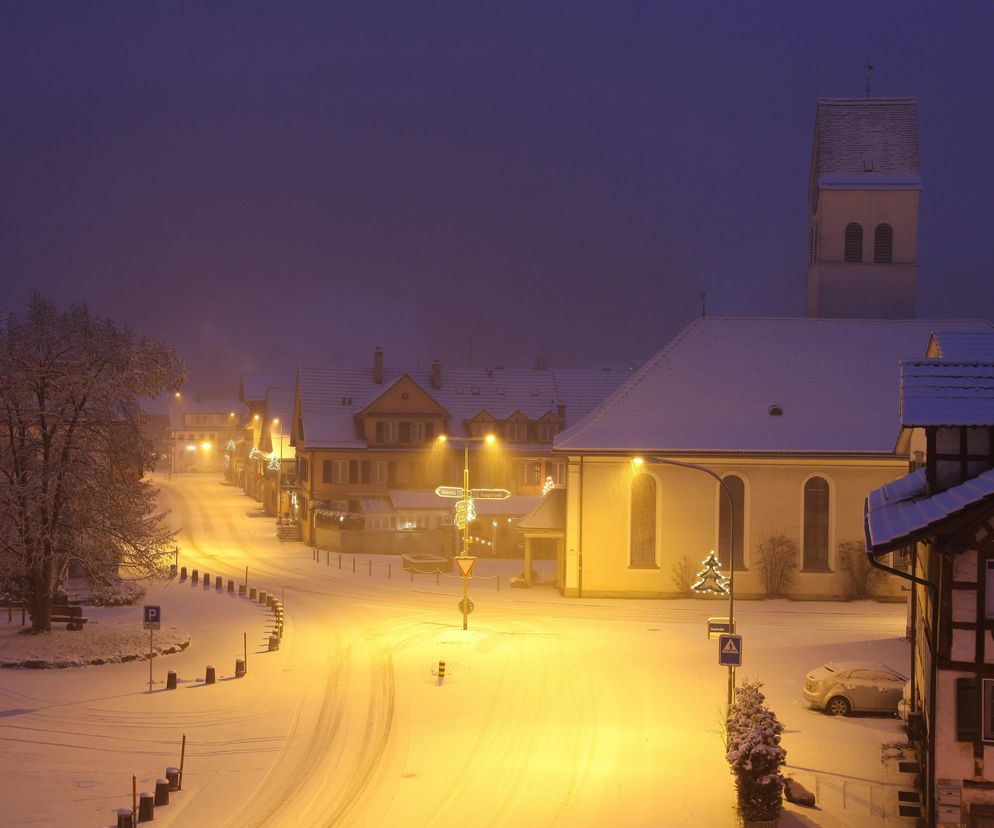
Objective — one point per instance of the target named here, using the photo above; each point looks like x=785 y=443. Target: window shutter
x=379 y=431
x=854 y=242
x=883 y=244
x=391 y=472
x=967 y=710
x=353 y=471
x=325 y=471
x=365 y=472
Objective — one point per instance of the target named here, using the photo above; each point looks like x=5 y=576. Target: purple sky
x=479 y=182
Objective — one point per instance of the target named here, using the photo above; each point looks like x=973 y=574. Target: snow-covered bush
x=777 y=558
x=859 y=578
x=684 y=574
x=116 y=594
x=754 y=754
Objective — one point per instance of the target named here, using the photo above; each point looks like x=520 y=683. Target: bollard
x=172 y=775
x=146 y=807
x=339 y=560
x=252 y=594
x=412 y=576
x=207 y=581
x=389 y=571
x=498 y=582
x=441 y=671
x=274 y=643
x=241 y=590
x=210 y=677
x=171 y=680
x=195 y=577
x=370 y=566
x=182 y=573
x=172 y=570
x=262 y=596
x=125 y=818
x=327 y=557
x=218 y=583
x=239 y=668
x=271 y=601
x=161 y=791
x=353 y=563
x=231 y=587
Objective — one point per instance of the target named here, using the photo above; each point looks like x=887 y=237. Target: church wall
x=837 y=208
x=687 y=521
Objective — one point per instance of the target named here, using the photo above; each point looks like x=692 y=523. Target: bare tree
x=777 y=564
x=72 y=454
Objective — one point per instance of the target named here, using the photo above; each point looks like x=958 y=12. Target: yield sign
x=465 y=564
x=730 y=650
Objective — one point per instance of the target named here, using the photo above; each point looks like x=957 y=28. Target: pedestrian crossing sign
x=730 y=650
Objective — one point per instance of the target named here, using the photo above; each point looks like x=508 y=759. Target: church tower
x=863 y=197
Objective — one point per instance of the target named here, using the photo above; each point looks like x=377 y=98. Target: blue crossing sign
x=730 y=650
x=153 y=617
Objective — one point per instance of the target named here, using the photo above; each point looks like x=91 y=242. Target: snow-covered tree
x=72 y=453
x=754 y=754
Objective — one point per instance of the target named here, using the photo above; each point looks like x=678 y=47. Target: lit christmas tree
x=709 y=580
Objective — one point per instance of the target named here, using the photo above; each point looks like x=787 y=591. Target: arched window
x=883 y=244
x=854 y=242
x=643 y=542
x=816 y=525
x=731 y=524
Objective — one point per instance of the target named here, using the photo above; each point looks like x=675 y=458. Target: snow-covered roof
x=549 y=515
x=866 y=143
x=944 y=393
x=962 y=346
x=330 y=397
x=718 y=385
x=899 y=512
x=179 y=406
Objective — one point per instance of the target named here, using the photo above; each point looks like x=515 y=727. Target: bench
x=425 y=563
x=71 y=616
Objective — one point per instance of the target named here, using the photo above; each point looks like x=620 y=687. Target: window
x=546 y=431
x=643 y=526
x=854 y=242
x=387 y=431
x=378 y=471
x=516 y=432
x=530 y=473
x=417 y=432
x=326 y=471
x=731 y=524
x=555 y=472
x=883 y=244
x=340 y=471
x=816 y=525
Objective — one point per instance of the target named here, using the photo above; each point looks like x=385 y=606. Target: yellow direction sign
x=449 y=491
x=465 y=513
x=465 y=564
x=489 y=494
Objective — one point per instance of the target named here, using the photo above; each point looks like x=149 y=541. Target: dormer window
x=516 y=432
x=854 y=242
x=387 y=431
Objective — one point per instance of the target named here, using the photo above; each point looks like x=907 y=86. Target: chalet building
x=944 y=514
x=863 y=197
x=369 y=457
x=798 y=417
x=201 y=432
x=269 y=400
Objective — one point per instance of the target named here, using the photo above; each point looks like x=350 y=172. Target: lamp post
x=731 y=551
x=464 y=560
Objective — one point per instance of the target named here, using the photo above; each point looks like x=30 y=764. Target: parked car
x=844 y=687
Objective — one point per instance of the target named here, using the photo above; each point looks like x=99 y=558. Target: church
x=760 y=437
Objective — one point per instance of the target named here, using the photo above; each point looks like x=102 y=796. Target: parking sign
x=153 y=617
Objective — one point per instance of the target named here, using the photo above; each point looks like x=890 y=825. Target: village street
x=553 y=711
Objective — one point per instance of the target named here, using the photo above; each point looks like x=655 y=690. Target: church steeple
x=863 y=196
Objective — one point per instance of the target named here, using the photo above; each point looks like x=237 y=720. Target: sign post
x=152 y=622
x=465 y=564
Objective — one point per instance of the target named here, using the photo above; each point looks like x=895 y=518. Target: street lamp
x=731 y=544
x=464 y=514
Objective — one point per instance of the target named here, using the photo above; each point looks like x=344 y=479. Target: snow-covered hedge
x=755 y=755
x=116 y=594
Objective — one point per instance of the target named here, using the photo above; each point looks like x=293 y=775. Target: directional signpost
x=730 y=650
x=152 y=622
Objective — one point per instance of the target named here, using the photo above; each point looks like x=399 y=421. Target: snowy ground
x=553 y=711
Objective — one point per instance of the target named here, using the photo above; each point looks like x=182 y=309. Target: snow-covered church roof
x=764 y=385
x=866 y=142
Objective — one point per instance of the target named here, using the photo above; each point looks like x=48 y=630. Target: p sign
x=153 y=617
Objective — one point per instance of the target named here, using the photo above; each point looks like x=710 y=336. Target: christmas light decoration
x=709 y=580
x=274 y=463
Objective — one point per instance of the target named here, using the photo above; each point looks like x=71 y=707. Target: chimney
x=378 y=365
x=436 y=374
x=561 y=411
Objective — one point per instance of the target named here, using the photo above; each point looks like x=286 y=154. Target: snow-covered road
x=553 y=711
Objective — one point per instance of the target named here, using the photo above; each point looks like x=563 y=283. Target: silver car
x=844 y=687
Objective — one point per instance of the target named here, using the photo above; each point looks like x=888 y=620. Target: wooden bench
x=71 y=616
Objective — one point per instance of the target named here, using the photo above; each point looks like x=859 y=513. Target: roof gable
x=403 y=396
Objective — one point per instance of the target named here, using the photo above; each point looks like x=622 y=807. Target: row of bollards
x=146 y=802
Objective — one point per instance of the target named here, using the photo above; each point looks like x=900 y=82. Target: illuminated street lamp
x=465 y=512
x=638 y=461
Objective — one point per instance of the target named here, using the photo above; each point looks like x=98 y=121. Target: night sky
x=267 y=184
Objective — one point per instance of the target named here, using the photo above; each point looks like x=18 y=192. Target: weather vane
x=869 y=72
